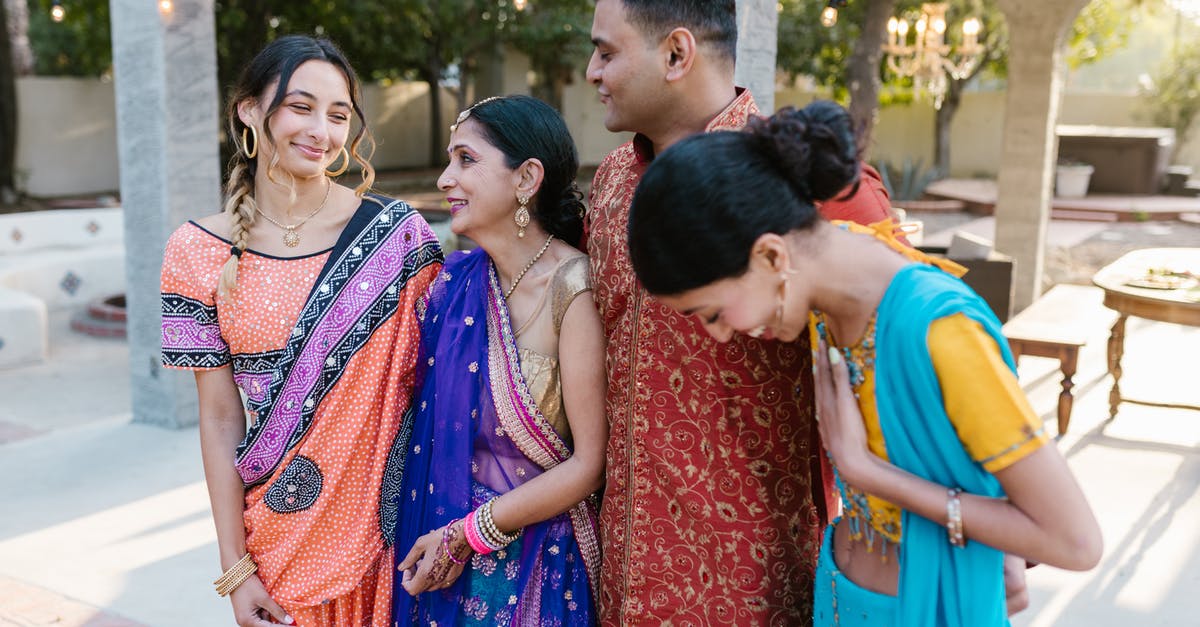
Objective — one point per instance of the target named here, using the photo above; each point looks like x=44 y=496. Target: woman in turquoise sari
x=497 y=510
x=942 y=465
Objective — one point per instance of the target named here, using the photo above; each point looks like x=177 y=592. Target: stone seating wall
x=51 y=261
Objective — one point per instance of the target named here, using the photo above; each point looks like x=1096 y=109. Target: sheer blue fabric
x=939 y=583
x=461 y=454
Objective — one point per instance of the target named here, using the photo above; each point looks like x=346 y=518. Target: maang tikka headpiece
x=466 y=113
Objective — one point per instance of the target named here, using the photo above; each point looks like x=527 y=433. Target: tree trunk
x=551 y=85
x=941 y=128
x=8 y=114
x=437 y=152
x=18 y=31
x=862 y=69
x=945 y=115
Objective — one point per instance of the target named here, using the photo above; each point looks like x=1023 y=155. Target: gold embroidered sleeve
x=572 y=279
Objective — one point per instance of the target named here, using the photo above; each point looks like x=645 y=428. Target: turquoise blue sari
x=939 y=583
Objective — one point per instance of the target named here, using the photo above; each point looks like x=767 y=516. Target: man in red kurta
x=716 y=494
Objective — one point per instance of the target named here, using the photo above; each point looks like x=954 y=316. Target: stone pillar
x=1036 y=71
x=758 y=30
x=165 y=70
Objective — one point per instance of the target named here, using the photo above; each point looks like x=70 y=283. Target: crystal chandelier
x=928 y=60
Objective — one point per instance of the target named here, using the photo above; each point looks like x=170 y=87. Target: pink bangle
x=473 y=539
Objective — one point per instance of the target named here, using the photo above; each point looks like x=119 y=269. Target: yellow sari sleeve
x=985 y=404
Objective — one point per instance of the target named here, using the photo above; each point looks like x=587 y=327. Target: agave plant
x=907 y=182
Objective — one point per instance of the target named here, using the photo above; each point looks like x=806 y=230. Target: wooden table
x=1179 y=306
x=1056 y=326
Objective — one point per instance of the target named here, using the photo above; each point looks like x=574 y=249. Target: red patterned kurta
x=712 y=512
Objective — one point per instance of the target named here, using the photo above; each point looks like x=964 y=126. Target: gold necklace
x=291 y=238
x=529 y=265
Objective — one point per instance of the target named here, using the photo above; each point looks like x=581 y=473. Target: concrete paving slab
x=1141 y=473
x=1065 y=233
x=116 y=515
x=114 y=518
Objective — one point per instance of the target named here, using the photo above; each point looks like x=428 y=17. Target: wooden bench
x=1056 y=326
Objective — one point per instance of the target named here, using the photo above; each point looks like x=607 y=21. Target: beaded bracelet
x=487 y=526
x=954 y=523
x=236 y=575
x=447 y=532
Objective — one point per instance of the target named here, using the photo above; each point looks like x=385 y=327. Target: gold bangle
x=954 y=522
x=236 y=575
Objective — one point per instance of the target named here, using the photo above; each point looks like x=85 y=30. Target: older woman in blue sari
x=497 y=511
x=942 y=465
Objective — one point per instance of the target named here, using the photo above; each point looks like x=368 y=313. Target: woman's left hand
x=839 y=418
x=428 y=566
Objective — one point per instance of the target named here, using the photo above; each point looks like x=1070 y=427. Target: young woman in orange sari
x=300 y=296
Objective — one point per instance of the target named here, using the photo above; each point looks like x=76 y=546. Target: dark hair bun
x=565 y=220
x=813 y=147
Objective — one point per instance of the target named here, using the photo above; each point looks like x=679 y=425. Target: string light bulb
x=166 y=6
x=829 y=15
x=57 y=12
x=520 y=4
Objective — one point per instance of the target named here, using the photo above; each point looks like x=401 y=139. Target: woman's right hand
x=253 y=607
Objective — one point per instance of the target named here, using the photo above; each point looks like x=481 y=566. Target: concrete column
x=165 y=70
x=1036 y=70
x=758 y=30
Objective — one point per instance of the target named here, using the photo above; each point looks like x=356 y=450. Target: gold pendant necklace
x=528 y=266
x=291 y=238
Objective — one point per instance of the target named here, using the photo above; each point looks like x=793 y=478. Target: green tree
x=80 y=45
x=555 y=36
x=830 y=55
x=1175 y=96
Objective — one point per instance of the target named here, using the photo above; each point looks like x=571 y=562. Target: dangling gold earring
x=522 y=217
x=345 y=164
x=250 y=154
x=782 y=295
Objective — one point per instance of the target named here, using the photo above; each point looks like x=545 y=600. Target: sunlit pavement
x=106 y=523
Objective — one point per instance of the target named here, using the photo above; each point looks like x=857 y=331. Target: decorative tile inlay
x=17 y=235
x=70 y=283
x=92 y=227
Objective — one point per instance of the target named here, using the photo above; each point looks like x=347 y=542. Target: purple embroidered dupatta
x=478 y=433
x=356 y=292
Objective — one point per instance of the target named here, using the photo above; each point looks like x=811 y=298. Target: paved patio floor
x=107 y=523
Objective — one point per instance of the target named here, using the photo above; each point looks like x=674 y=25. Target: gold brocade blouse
x=539 y=361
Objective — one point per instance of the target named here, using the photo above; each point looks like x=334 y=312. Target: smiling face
x=480 y=187
x=311 y=124
x=628 y=70
x=749 y=304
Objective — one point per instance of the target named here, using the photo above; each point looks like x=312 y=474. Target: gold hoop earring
x=250 y=154
x=522 y=217
x=345 y=164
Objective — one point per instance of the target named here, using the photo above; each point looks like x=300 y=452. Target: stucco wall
x=907 y=131
x=398 y=115
x=67 y=135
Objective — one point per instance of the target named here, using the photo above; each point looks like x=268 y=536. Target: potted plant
x=1072 y=178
